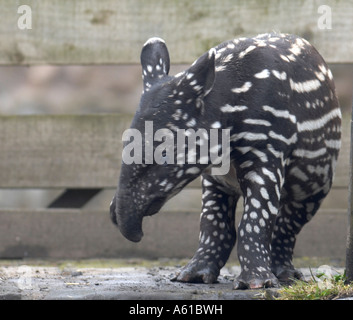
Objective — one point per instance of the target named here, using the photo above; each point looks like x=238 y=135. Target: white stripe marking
x=302 y=153
x=306 y=86
x=333 y=144
x=258 y=122
x=255 y=136
x=269 y=174
x=229 y=108
x=260 y=155
x=246 y=51
x=319 y=123
x=254 y=177
x=280 y=113
x=291 y=140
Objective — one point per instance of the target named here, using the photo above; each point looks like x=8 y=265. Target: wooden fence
x=81 y=154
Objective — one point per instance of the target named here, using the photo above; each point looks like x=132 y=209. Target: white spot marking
x=206 y=183
x=191 y=123
x=253 y=215
x=193 y=170
x=295 y=49
x=216 y=125
x=244 y=88
x=280 y=75
x=210 y=203
x=246 y=51
x=272 y=208
x=246 y=164
x=320 y=76
x=153 y=40
x=197 y=88
x=329 y=73
x=284 y=58
x=263 y=74
x=265 y=214
x=255 y=203
x=254 y=177
x=168 y=187
x=264 y=194
x=179 y=173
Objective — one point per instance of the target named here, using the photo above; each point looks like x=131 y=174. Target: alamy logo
x=25 y=20
x=325 y=20
x=181 y=146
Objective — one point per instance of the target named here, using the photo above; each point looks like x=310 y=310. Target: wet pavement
x=25 y=282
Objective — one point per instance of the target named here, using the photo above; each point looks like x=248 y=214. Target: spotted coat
x=276 y=95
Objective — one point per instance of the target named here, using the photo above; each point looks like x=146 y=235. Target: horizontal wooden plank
x=60 y=151
x=81 y=151
x=107 y=31
x=77 y=234
x=189 y=200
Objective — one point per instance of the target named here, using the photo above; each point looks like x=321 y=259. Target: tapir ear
x=155 y=61
x=201 y=75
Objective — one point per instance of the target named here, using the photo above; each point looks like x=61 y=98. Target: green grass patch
x=321 y=287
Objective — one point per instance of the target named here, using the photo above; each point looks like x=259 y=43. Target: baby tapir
x=275 y=96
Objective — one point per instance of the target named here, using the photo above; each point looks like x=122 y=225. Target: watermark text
x=25 y=20
x=325 y=20
x=181 y=146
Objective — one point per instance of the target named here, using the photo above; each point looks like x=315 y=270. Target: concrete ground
x=110 y=281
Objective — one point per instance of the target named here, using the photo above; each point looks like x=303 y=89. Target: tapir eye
x=164 y=157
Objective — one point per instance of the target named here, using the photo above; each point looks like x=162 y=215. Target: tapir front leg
x=217 y=234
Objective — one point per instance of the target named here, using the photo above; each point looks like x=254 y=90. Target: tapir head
x=157 y=163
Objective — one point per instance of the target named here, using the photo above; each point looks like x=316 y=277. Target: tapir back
x=277 y=95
